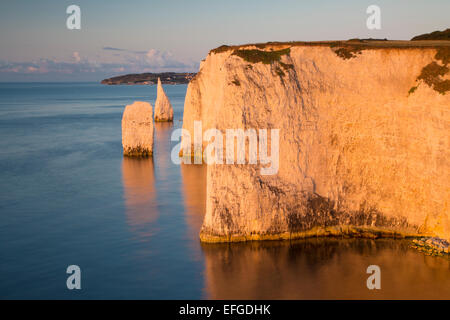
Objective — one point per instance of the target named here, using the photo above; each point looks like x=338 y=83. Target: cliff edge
x=363 y=143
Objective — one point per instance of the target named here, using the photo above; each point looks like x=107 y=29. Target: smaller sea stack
x=163 y=107
x=137 y=129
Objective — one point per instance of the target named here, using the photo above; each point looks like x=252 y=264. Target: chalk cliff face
x=137 y=129
x=360 y=152
x=163 y=107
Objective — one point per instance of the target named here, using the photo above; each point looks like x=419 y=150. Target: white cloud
x=112 y=62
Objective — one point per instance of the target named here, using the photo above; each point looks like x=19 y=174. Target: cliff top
x=360 y=43
x=272 y=52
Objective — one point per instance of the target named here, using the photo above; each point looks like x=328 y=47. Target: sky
x=119 y=37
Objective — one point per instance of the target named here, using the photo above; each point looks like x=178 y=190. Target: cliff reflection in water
x=194 y=191
x=140 y=195
x=162 y=149
x=322 y=269
x=303 y=269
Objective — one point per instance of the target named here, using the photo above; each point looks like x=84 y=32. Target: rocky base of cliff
x=344 y=231
x=137 y=152
x=432 y=246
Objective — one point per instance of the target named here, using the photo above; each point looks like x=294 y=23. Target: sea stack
x=137 y=129
x=163 y=107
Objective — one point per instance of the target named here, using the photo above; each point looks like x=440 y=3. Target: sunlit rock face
x=163 y=107
x=137 y=129
x=359 y=153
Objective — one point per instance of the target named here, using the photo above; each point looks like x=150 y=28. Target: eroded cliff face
x=360 y=153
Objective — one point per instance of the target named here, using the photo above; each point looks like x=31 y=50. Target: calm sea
x=68 y=197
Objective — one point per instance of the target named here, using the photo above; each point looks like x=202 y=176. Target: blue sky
x=119 y=37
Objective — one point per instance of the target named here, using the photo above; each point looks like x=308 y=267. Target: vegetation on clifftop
x=436 y=35
x=433 y=72
x=221 y=49
x=266 y=57
x=360 y=43
x=348 y=52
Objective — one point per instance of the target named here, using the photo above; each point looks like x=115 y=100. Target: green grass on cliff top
x=266 y=57
x=365 y=44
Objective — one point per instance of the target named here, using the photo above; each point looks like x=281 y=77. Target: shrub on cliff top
x=436 y=35
x=221 y=49
x=348 y=52
x=443 y=54
x=432 y=73
x=266 y=57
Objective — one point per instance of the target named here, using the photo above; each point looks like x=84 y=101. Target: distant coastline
x=150 y=78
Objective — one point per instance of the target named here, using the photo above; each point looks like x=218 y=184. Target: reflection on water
x=156 y=189
x=193 y=179
x=323 y=269
x=304 y=269
x=162 y=146
x=140 y=196
x=134 y=223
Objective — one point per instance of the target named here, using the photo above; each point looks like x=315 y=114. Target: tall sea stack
x=137 y=129
x=163 y=107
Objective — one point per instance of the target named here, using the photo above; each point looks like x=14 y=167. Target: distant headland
x=150 y=78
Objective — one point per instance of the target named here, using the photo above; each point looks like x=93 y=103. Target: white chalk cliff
x=163 y=107
x=364 y=142
x=137 y=129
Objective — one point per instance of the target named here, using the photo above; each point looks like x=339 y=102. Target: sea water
x=69 y=197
